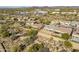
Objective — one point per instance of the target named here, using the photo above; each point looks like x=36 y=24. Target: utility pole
x=3 y=46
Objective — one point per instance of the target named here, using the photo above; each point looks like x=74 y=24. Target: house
x=56 y=9
x=30 y=22
x=75 y=35
x=75 y=38
x=38 y=26
x=53 y=30
x=40 y=12
x=22 y=13
x=58 y=29
x=2 y=21
x=74 y=12
x=55 y=12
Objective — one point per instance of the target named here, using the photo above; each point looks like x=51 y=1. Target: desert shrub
x=67 y=44
x=65 y=36
x=36 y=47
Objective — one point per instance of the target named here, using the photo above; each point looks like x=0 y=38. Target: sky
x=39 y=3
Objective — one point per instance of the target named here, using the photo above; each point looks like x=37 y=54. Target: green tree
x=36 y=47
x=45 y=21
x=65 y=36
x=67 y=44
x=32 y=32
x=4 y=31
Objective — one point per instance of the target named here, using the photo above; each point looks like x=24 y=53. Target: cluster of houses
x=58 y=11
x=54 y=11
x=40 y=12
x=21 y=22
x=59 y=28
x=44 y=12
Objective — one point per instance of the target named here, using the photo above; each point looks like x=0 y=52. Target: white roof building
x=40 y=12
x=75 y=38
x=60 y=29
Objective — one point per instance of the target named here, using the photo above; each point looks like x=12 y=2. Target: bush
x=65 y=36
x=32 y=32
x=44 y=21
x=4 y=31
x=21 y=47
x=67 y=44
x=18 y=48
x=15 y=19
x=36 y=47
x=14 y=48
x=4 y=34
